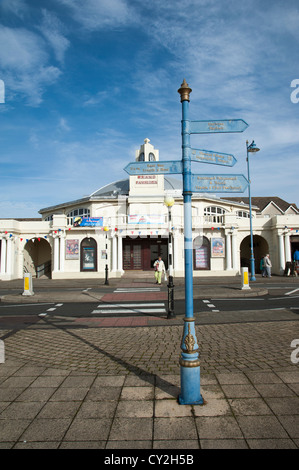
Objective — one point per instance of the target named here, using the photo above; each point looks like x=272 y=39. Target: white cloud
x=95 y=15
x=24 y=63
x=63 y=125
x=17 y=7
x=51 y=28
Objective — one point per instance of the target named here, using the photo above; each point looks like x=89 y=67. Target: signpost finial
x=184 y=91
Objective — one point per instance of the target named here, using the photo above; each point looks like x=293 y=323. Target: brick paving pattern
x=114 y=388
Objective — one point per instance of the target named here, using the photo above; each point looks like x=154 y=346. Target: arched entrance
x=260 y=249
x=37 y=257
x=294 y=240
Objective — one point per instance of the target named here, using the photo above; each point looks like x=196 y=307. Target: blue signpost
x=189 y=360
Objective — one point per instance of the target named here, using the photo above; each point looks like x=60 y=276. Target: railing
x=43 y=269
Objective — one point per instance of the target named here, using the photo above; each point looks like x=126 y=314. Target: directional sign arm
x=218 y=183
x=227 y=125
x=216 y=158
x=154 y=168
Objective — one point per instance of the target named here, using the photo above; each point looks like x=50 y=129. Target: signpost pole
x=189 y=360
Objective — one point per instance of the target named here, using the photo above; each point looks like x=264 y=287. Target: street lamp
x=252 y=148
x=106 y=229
x=169 y=202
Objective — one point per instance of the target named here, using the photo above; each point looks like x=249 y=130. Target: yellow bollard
x=28 y=288
x=245 y=278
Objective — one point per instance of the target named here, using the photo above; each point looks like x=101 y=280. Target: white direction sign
x=218 y=183
x=208 y=156
x=154 y=168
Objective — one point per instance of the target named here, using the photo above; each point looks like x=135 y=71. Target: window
x=214 y=214
x=243 y=214
x=82 y=212
x=141 y=157
x=151 y=157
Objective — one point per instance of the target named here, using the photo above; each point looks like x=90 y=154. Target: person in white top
x=159 y=268
x=267 y=266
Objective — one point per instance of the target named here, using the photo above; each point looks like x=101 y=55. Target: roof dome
x=121 y=188
x=117 y=188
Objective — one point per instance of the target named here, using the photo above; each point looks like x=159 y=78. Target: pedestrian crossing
x=131 y=290
x=140 y=308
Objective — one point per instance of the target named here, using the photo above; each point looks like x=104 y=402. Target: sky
x=84 y=82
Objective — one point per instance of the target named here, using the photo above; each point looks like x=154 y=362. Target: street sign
x=208 y=156
x=227 y=125
x=218 y=183
x=154 y=168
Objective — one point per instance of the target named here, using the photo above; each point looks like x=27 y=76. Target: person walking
x=159 y=268
x=262 y=267
x=267 y=265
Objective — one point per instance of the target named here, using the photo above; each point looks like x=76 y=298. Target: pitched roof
x=263 y=202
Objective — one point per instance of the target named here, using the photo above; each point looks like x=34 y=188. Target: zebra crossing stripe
x=141 y=310
x=212 y=306
x=130 y=308
x=137 y=289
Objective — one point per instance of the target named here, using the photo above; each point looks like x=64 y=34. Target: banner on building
x=146 y=219
x=88 y=222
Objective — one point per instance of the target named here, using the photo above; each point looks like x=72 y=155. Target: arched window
x=82 y=212
x=151 y=157
x=141 y=157
x=214 y=214
x=201 y=253
x=88 y=255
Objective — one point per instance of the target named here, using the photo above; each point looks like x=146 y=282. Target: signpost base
x=190 y=366
x=190 y=384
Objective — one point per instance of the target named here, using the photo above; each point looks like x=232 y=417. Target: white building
x=125 y=225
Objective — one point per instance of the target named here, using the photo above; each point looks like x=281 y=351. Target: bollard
x=28 y=288
x=245 y=278
x=106 y=275
x=170 y=286
x=2 y=352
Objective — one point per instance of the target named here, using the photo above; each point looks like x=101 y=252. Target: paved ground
x=68 y=386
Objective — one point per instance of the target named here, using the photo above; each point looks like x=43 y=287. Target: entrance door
x=132 y=255
x=141 y=253
x=158 y=248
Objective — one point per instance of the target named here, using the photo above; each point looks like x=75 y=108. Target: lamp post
x=106 y=230
x=252 y=148
x=169 y=202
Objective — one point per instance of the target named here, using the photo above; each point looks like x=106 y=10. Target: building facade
x=126 y=225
